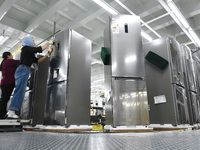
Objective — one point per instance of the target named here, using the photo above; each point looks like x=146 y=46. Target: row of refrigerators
x=153 y=83
x=137 y=92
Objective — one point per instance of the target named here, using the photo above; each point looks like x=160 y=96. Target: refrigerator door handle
x=126 y=28
x=129 y=78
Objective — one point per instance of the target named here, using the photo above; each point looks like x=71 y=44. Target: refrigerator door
x=176 y=61
x=195 y=110
x=78 y=90
x=189 y=69
x=182 y=110
x=55 y=104
x=196 y=58
x=126 y=46
x=130 y=105
x=58 y=66
x=197 y=79
x=197 y=69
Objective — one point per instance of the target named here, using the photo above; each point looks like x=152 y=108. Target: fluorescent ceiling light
x=3 y=15
x=30 y=30
x=178 y=14
x=126 y=8
x=194 y=36
x=171 y=8
x=3 y=39
x=106 y=6
x=146 y=36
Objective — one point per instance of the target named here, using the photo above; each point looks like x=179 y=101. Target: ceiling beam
x=52 y=23
x=41 y=2
x=5 y=7
x=84 y=18
x=10 y=22
x=24 y=10
x=78 y=5
x=46 y=13
x=64 y=15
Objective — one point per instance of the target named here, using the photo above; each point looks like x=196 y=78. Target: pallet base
x=73 y=128
x=168 y=127
x=127 y=129
x=66 y=130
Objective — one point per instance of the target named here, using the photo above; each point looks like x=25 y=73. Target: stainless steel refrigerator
x=34 y=100
x=68 y=91
x=125 y=86
x=165 y=87
x=196 y=60
x=190 y=84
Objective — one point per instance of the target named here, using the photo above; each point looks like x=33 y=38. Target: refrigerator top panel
x=58 y=65
x=176 y=61
x=127 y=58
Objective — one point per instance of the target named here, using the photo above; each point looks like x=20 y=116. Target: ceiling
x=41 y=18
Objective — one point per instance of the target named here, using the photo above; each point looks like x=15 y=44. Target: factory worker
x=8 y=68
x=28 y=52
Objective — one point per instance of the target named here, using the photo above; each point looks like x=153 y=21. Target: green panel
x=105 y=56
x=156 y=60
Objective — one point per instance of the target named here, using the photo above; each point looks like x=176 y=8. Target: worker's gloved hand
x=51 y=42
x=49 y=52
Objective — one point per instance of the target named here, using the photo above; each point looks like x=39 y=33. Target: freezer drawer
x=195 y=108
x=55 y=104
x=129 y=102
x=181 y=105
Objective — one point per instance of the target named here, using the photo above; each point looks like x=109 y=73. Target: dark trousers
x=6 y=91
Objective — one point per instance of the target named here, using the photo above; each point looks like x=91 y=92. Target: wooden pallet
x=30 y=129
x=66 y=130
x=133 y=130
x=168 y=129
x=128 y=129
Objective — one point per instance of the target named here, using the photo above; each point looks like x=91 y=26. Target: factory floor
x=157 y=140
